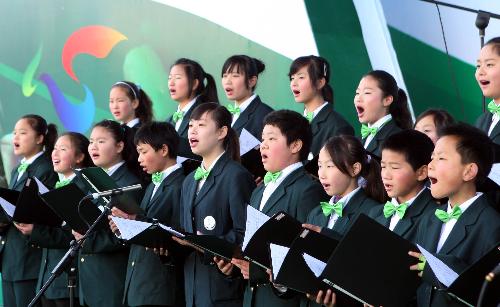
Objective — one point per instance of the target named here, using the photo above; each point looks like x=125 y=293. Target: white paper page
x=278 y=255
x=443 y=272
x=315 y=265
x=129 y=228
x=42 y=189
x=181 y=159
x=7 y=207
x=247 y=142
x=172 y=231
x=495 y=173
x=255 y=219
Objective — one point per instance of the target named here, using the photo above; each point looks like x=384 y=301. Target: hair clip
x=324 y=70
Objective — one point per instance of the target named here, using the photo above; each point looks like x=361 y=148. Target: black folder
x=215 y=245
x=30 y=208
x=371 y=264
x=295 y=272
x=467 y=286
x=153 y=237
x=64 y=202
x=97 y=180
x=280 y=229
x=252 y=161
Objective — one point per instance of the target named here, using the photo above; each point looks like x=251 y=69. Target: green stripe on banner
x=430 y=83
x=339 y=39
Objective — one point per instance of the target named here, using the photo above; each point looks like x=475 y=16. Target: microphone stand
x=482 y=20
x=70 y=255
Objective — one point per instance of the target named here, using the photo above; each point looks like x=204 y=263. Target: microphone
x=116 y=191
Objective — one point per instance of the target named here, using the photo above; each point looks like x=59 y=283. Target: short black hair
x=473 y=146
x=157 y=134
x=294 y=127
x=414 y=145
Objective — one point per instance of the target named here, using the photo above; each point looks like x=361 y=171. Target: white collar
x=113 y=168
x=188 y=106
x=346 y=198
x=379 y=123
x=287 y=171
x=213 y=163
x=317 y=110
x=466 y=204
x=32 y=159
x=169 y=170
x=133 y=122
x=408 y=202
x=61 y=176
x=245 y=103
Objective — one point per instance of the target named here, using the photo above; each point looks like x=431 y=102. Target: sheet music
x=129 y=228
x=495 y=173
x=42 y=189
x=315 y=265
x=278 y=255
x=247 y=142
x=443 y=272
x=7 y=207
x=172 y=231
x=255 y=219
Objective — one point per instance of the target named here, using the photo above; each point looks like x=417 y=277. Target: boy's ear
x=120 y=146
x=356 y=169
x=470 y=172
x=422 y=173
x=296 y=146
x=164 y=150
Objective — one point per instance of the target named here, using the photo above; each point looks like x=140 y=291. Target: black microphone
x=116 y=191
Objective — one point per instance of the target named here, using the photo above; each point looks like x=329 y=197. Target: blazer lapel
x=185 y=119
x=210 y=181
x=459 y=231
x=259 y=192
x=495 y=131
x=349 y=211
x=432 y=232
x=321 y=117
x=281 y=190
x=245 y=115
x=414 y=211
x=165 y=183
x=145 y=204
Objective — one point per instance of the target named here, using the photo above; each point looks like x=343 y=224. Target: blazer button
x=133 y=263
x=251 y=289
x=82 y=260
x=3 y=242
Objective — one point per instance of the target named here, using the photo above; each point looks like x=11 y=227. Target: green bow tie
x=328 y=208
x=271 y=177
x=445 y=217
x=309 y=116
x=157 y=177
x=178 y=115
x=22 y=167
x=62 y=183
x=201 y=173
x=493 y=108
x=233 y=109
x=365 y=131
x=390 y=209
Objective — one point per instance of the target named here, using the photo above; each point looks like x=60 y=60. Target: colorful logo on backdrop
x=97 y=41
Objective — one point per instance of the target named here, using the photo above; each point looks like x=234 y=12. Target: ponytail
x=374 y=187
x=209 y=92
x=400 y=112
x=399 y=106
x=345 y=151
x=48 y=131
x=221 y=116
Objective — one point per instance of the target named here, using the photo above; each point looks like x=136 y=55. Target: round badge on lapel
x=209 y=223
